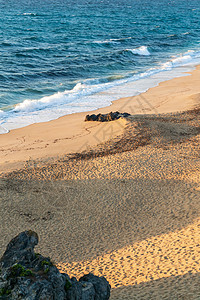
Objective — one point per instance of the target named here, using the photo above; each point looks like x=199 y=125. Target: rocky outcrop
x=106 y=117
x=25 y=274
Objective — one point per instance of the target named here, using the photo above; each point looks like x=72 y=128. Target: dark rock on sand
x=106 y=117
x=102 y=290
x=28 y=275
x=91 y=117
x=81 y=290
x=20 y=249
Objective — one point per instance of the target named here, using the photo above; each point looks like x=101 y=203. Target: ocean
x=59 y=57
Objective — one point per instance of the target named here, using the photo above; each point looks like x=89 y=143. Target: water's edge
x=128 y=89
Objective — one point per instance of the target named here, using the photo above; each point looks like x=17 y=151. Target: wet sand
x=71 y=134
x=127 y=207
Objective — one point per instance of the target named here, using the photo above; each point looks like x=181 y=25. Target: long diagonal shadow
x=106 y=130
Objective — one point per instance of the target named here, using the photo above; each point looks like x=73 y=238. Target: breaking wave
x=143 y=50
x=87 y=95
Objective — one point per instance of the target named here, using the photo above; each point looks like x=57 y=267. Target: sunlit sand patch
x=173 y=254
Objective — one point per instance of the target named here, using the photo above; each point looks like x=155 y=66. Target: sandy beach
x=71 y=134
x=119 y=199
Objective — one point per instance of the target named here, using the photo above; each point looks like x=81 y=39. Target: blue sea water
x=60 y=56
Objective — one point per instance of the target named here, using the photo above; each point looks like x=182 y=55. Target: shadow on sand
x=186 y=287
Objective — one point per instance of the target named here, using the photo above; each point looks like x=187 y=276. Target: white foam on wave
x=182 y=59
x=143 y=50
x=3 y=130
x=67 y=97
x=29 y=14
x=112 y=40
x=121 y=39
x=76 y=96
x=91 y=94
x=171 y=35
x=104 y=42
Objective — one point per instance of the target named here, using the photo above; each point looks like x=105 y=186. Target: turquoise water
x=60 y=57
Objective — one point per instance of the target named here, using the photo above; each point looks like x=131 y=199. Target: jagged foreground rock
x=30 y=276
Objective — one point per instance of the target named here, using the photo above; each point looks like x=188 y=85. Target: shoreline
x=71 y=134
x=130 y=204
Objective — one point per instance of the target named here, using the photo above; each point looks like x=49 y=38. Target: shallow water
x=60 y=57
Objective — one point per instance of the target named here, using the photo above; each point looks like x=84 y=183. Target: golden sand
x=71 y=134
x=127 y=208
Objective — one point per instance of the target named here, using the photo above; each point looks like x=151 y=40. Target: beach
x=70 y=134
x=119 y=199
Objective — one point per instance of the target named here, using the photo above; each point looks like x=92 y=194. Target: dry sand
x=128 y=208
x=71 y=134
